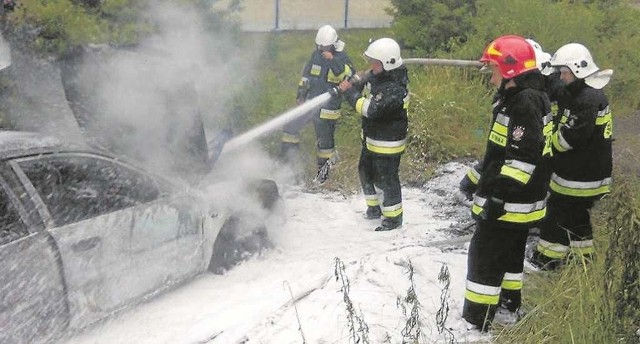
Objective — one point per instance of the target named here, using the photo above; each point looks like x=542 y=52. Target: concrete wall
x=267 y=15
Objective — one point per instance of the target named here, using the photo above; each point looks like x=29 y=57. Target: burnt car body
x=84 y=234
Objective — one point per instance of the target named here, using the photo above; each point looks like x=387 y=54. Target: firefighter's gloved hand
x=335 y=91
x=360 y=77
x=494 y=208
x=344 y=86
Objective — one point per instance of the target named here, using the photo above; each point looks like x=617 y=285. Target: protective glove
x=493 y=209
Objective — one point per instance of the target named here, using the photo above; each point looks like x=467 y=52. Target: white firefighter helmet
x=577 y=58
x=387 y=51
x=542 y=57
x=327 y=36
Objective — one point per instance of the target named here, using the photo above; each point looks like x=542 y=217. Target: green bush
x=607 y=27
x=50 y=28
x=431 y=25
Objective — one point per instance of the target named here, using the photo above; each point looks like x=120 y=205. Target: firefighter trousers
x=324 y=130
x=381 y=172
x=566 y=227
x=495 y=265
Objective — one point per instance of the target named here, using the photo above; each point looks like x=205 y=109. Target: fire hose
x=299 y=111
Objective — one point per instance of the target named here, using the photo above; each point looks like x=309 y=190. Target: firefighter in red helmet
x=510 y=197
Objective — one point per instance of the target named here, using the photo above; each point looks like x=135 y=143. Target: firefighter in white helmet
x=327 y=67
x=582 y=158
x=383 y=106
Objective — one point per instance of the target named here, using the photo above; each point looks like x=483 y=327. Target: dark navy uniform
x=383 y=105
x=510 y=198
x=581 y=166
x=319 y=75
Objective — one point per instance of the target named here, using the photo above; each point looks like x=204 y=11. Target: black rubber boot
x=390 y=224
x=373 y=213
x=543 y=262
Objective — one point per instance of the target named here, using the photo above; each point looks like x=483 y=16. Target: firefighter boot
x=390 y=224
x=545 y=263
x=323 y=173
x=373 y=213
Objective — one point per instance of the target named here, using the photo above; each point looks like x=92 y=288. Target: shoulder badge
x=518 y=133
x=378 y=96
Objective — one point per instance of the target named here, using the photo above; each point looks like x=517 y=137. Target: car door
x=33 y=306
x=120 y=235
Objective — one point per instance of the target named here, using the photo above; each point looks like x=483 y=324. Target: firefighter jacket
x=383 y=102
x=320 y=75
x=515 y=175
x=582 y=156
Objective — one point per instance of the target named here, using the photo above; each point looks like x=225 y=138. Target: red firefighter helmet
x=513 y=55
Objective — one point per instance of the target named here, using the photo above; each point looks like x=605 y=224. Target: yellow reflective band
x=405 y=102
x=385 y=150
x=336 y=79
x=472 y=175
x=547 y=130
x=511 y=285
x=550 y=253
x=608 y=130
x=360 y=104
x=290 y=138
x=372 y=202
x=392 y=213
x=524 y=217
x=476 y=209
x=325 y=153
x=330 y=114
x=500 y=129
x=498 y=139
x=481 y=298
x=563 y=190
x=315 y=70
x=559 y=143
x=385 y=147
x=552 y=250
x=518 y=175
x=583 y=250
x=602 y=120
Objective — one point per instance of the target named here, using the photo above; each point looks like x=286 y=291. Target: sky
x=326 y=257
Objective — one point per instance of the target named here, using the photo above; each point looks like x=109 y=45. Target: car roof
x=21 y=143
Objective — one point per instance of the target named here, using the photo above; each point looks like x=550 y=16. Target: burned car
x=84 y=234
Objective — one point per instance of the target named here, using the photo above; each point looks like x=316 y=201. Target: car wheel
x=241 y=237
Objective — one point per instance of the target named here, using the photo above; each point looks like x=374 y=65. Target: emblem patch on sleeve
x=518 y=133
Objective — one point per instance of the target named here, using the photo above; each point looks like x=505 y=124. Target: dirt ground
x=626 y=145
